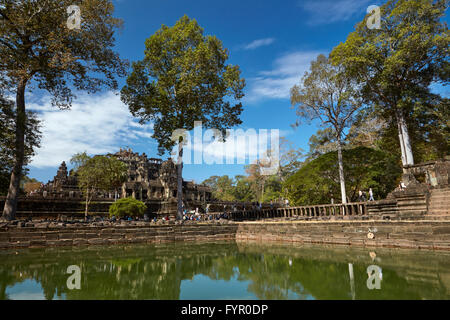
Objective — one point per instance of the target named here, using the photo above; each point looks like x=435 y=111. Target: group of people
x=362 y=196
x=191 y=217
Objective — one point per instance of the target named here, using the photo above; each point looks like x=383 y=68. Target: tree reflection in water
x=280 y=271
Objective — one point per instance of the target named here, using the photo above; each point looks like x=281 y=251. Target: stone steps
x=445 y=217
x=439 y=203
x=438 y=207
x=440 y=197
x=441 y=191
x=439 y=211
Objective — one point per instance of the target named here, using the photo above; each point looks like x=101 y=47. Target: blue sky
x=273 y=42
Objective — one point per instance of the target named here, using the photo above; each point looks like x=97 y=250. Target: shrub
x=127 y=207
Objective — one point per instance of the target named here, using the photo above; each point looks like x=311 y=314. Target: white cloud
x=243 y=146
x=259 y=43
x=96 y=124
x=276 y=83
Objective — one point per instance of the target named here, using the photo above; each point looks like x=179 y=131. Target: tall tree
x=99 y=173
x=41 y=45
x=367 y=130
x=290 y=159
x=317 y=182
x=397 y=63
x=430 y=138
x=327 y=94
x=323 y=141
x=243 y=190
x=184 y=78
x=7 y=140
x=222 y=187
x=257 y=177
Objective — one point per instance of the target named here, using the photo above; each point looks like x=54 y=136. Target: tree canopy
x=397 y=64
x=7 y=140
x=328 y=94
x=39 y=49
x=37 y=45
x=182 y=79
x=317 y=182
x=98 y=173
x=127 y=207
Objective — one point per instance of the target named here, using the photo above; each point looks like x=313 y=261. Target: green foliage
x=431 y=130
x=290 y=159
x=183 y=78
x=273 y=189
x=99 y=173
x=326 y=94
x=127 y=207
x=396 y=65
x=430 y=136
x=243 y=190
x=223 y=187
x=38 y=46
x=38 y=49
x=320 y=143
x=7 y=141
x=317 y=182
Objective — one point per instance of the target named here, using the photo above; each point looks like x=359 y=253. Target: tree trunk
x=402 y=145
x=180 y=182
x=341 y=171
x=262 y=191
x=9 y=210
x=87 y=205
x=405 y=142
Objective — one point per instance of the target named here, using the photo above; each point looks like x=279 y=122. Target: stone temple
x=148 y=179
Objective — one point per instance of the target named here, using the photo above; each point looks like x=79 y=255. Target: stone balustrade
x=320 y=212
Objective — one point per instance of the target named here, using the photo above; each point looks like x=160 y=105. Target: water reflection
x=224 y=271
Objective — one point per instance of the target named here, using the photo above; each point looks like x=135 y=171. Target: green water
x=224 y=271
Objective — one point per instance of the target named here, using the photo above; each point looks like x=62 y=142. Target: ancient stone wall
x=398 y=234
x=77 y=236
x=432 y=235
x=38 y=208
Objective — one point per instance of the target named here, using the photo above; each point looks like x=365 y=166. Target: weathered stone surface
x=97 y=241
x=80 y=242
x=441 y=229
x=386 y=234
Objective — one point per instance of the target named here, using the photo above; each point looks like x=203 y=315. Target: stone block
x=66 y=235
x=370 y=243
x=14 y=239
x=401 y=243
x=38 y=243
x=97 y=241
x=417 y=236
x=5 y=245
x=80 y=242
x=441 y=230
x=65 y=242
x=52 y=243
x=107 y=231
x=4 y=236
x=440 y=245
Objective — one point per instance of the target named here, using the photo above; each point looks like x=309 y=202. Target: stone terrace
x=433 y=235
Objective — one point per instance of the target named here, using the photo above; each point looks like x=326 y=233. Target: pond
x=227 y=270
